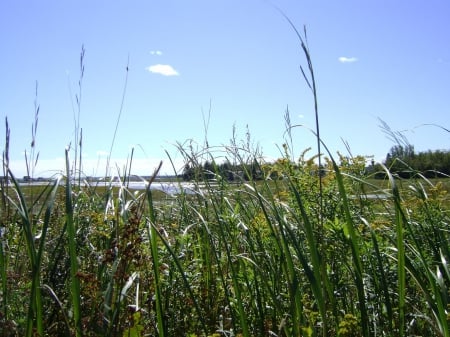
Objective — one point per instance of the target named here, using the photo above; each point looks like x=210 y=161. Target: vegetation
x=401 y=160
x=315 y=249
x=404 y=161
x=259 y=258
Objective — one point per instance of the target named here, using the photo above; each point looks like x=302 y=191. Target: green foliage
x=136 y=329
x=257 y=258
x=349 y=327
x=403 y=161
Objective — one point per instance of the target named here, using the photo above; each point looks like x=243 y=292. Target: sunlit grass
x=236 y=258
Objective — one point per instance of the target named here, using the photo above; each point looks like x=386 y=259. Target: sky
x=161 y=73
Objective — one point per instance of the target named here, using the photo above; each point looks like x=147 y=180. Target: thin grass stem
x=71 y=240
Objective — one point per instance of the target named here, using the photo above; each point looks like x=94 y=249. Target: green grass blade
x=382 y=276
x=400 y=246
x=35 y=307
x=75 y=291
x=3 y=275
x=49 y=202
x=317 y=281
x=354 y=242
x=183 y=276
x=153 y=235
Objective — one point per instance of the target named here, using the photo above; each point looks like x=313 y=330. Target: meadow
x=323 y=249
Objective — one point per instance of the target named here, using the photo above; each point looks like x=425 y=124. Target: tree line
x=226 y=170
x=401 y=160
x=405 y=162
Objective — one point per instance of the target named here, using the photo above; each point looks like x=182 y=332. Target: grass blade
x=74 y=281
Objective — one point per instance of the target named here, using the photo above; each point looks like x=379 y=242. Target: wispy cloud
x=163 y=69
x=344 y=59
x=156 y=52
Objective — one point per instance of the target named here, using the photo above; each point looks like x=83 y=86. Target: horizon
x=201 y=70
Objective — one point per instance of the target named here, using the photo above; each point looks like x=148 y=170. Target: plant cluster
x=279 y=257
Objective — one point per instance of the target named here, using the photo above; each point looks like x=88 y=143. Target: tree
x=188 y=172
x=400 y=160
x=403 y=161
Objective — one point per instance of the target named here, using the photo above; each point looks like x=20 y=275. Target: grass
x=305 y=254
x=234 y=259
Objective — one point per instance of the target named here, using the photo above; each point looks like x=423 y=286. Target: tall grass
x=75 y=290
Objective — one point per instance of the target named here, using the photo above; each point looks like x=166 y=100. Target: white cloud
x=344 y=59
x=163 y=69
x=156 y=52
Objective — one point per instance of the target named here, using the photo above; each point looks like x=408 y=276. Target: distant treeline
x=401 y=160
x=405 y=162
x=226 y=170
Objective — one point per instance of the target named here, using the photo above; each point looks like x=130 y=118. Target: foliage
x=260 y=258
x=403 y=161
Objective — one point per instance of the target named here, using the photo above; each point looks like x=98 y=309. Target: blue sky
x=238 y=59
